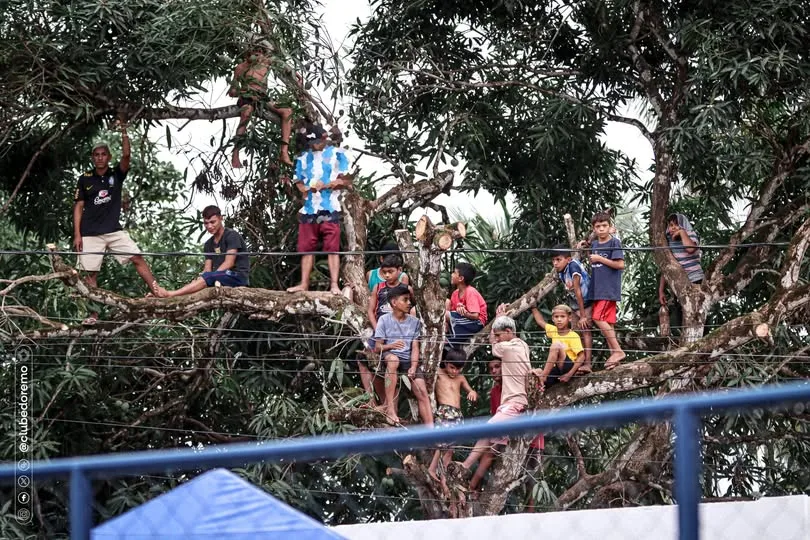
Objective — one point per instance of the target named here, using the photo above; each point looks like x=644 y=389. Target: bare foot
x=584 y=369
x=285 y=157
x=614 y=360
x=392 y=416
x=91 y=320
x=433 y=476
x=335 y=289
x=235 y=163
x=298 y=288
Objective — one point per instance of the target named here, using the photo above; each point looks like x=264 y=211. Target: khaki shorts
x=94 y=246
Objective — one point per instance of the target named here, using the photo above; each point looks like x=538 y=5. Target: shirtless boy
x=249 y=84
x=449 y=383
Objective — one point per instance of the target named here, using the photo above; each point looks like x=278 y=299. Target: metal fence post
x=687 y=472
x=81 y=505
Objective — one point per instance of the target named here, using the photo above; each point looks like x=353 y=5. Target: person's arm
x=126 y=150
x=230 y=260
x=472 y=305
x=78 y=208
x=661 y=286
x=372 y=306
x=207 y=265
x=472 y=395
x=687 y=241
x=237 y=74
x=573 y=370
x=583 y=320
x=414 y=358
x=538 y=318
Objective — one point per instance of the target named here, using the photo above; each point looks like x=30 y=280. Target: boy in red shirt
x=466 y=309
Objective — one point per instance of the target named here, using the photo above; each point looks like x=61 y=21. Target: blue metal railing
x=684 y=411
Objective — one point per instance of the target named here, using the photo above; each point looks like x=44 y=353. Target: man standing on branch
x=225 y=261
x=249 y=84
x=97 y=214
x=321 y=171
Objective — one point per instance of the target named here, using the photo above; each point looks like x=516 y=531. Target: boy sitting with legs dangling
x=397 y=341
x=565 y=355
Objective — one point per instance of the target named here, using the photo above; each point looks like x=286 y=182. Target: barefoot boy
x=321 y=171
x=514 y=355
x=397 y=340
x=467 y=310
x=378 y=305
x=577 y=285
x=565 y=354
x=607 y=262
x=449 y=383
x=225 y=260
x=249 y=84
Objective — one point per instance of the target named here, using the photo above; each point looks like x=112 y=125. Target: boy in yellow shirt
x=566 y=353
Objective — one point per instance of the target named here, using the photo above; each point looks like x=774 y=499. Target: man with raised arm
x=97 y=214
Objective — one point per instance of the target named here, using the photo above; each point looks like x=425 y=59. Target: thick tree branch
x=521 y=305
x=782 y=170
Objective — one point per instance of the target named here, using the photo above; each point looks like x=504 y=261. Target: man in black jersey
x=226 y=263
x=96 y=218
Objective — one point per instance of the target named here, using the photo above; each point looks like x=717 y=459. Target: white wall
x=782 y=518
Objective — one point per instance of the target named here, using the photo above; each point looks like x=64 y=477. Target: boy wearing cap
x=96 y=218
x=321 y=171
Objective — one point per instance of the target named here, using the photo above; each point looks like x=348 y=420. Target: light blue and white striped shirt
x=325 y=165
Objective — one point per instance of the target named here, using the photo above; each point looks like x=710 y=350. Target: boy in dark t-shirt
x=225 y=261
x=607 y=262
x=96 y=217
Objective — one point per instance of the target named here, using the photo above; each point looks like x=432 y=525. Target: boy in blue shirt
x=577 y=283
x=397 y=341
x=607 y=263
x=321 y=171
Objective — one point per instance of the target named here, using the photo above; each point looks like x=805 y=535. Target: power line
x=544 y=250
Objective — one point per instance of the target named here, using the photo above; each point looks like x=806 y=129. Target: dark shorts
x=226 y=278
x=462 y=330
x=310 y=233
x=243 y=101
x=605 y=310
x=404 y=366
x=555 y=373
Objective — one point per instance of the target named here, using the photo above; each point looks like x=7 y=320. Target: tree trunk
x=355 y=223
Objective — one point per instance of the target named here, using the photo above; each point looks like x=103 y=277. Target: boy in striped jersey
x=321 y=171
x=683 y=241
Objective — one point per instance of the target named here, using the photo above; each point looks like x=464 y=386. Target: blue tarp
x=215 y=505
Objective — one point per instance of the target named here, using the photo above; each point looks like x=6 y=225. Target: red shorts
x=604 y=310
x=309 y=233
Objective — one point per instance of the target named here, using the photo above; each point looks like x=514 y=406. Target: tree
x=527 y=89
x=521 y=94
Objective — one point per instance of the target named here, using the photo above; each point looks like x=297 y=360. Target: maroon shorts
x=310 y=233
x=604 y=310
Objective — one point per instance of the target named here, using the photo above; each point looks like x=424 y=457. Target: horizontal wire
x=372 y=252
x=596 y=375
x=647 y=352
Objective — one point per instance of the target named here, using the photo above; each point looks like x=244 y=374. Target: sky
x=338 y=16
